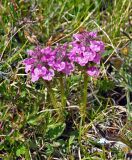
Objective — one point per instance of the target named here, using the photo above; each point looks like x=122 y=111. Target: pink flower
x=36 y=74
x=97 y=58
x=93 y=71
x=97 y=46
x=92 y=34
x=38 y=63
x=61 y=63
x=28 y=64
x=59 y=66
x=69 y=68
x=42 y=72
x=49 y=75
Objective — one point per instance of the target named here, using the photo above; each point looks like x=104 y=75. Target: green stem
x=62 y=88
x=83 y=107
x=55 y=103
x=52 y=96
x=84 y=98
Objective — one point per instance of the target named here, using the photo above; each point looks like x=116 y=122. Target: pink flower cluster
x=84 y=50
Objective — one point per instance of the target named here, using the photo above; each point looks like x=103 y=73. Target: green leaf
x=105 y=85
x=49 y=150
x=107 y=53
x=71 y=139
x=21 y=150
x=55 y=130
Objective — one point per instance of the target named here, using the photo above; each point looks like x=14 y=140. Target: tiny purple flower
x=93 y=71
x=49 y=75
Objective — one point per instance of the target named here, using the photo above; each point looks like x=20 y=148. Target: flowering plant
x=84 y=50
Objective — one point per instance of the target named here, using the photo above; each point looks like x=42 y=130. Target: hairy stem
x=84 y=98
x=54 y=102
x=62 y=88
x=52 y=96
